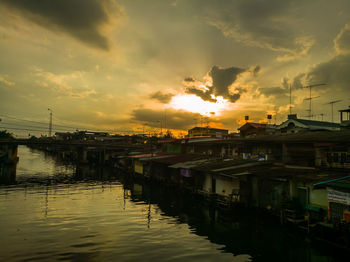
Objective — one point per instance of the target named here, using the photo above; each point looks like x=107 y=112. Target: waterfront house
x=337 y=197
x=207 y=131
x=256 y=129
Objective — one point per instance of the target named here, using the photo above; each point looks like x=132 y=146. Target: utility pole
x=332 y=103
x=165 y=118
x=290 y=99
x=50 y=124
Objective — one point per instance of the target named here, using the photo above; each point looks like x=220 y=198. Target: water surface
x=59 y=212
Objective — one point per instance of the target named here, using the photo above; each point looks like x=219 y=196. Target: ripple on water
x=52 y=216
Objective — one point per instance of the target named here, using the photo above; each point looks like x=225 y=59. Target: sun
x=195 y=104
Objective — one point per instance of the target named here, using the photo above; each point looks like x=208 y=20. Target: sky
x=135 y=66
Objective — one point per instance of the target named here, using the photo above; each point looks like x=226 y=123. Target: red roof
x=255 y=125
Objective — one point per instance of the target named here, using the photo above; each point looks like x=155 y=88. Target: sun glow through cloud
x=195 y=104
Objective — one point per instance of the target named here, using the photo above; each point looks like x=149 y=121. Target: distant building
x=64 y=135
x=81 y=135
x=295 y=125
x=207 y=131
x=256 y=129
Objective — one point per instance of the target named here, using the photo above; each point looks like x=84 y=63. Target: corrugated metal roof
x=202 y=140
x=255 y=125
x=154 y=157
x=190 y=164
x=208 y=128
x=251 y=164
x=317 y=123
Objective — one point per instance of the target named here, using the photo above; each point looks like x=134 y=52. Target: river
x=56 y=211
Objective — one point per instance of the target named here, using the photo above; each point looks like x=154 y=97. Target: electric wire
x=56 y=127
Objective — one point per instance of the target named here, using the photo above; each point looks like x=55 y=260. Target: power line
x=23 y=129
x=32 y=128
x=42 y=129
x=57 y=128
x=24 y=125
x=44 y=123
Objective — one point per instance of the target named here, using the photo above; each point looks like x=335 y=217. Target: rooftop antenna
x=310 y=97
x=332 y=103
x=310 y=109
x=322 y=117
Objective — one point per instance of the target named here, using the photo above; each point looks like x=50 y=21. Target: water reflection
x=95 y=214
x=8 y=173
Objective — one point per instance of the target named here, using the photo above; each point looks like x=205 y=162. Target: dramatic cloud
x=189 y=79
x=224 y=78
x=85 y=20
x=273 y=91
x=162 y=97
x=62 y=83
x=174 y=119
x=205 y=94
x=335 y=72
x=219 y=82
x=342 y=41
x=256 y=70
x=265 y=25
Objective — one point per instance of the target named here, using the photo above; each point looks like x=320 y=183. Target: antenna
x=310 y=109
x=322 y=116
x=310 y=98
x=332 y=103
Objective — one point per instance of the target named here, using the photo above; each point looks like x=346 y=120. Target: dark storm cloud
x=222 y=79
x=256 y=70
x=273 y=91
x=189 y=79
x=175 y=119
x=298 y=81
x=335 y=73
x=265 y=24
x=162 y=97
x=81 y=19
x=204 y=94
x=342 y=41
